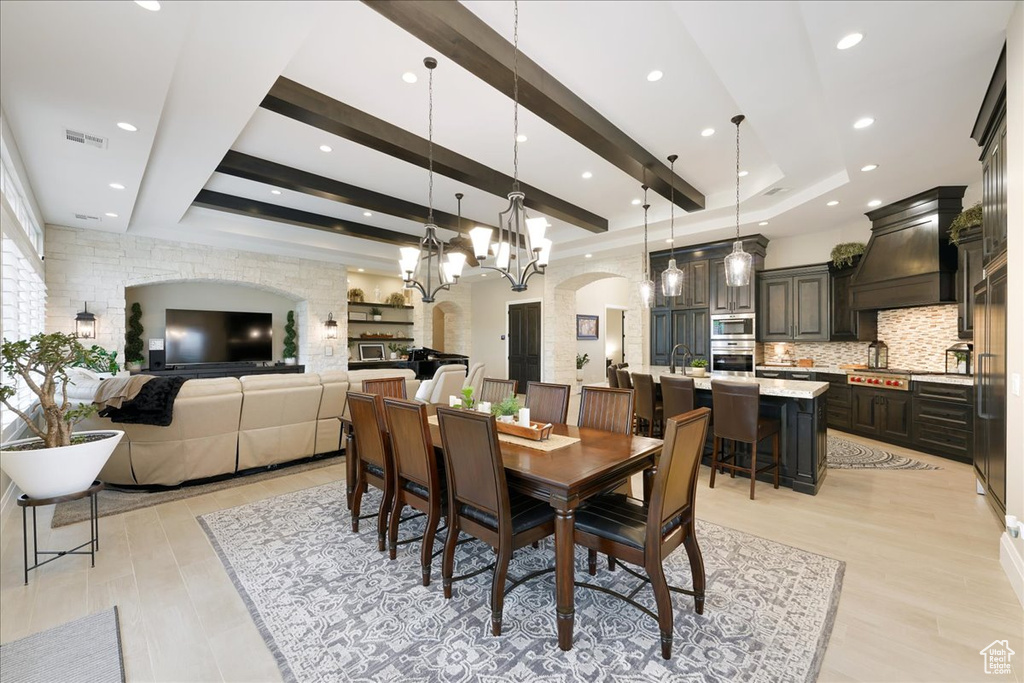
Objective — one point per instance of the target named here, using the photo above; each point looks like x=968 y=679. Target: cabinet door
x=682 y=329
x=743 y=298
x=697 y=292
x=968 y=275
x=775 y=309
x=721 y=295
x=843 y=320
x=980 y=351
x=700 y=333
x=895 y=415
x=661 y=341
x=810 y=303
x=864 y=411
x=994 y=388
x=658 y=266
x=994 y=194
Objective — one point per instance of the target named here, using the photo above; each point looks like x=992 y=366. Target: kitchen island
x=801 y=408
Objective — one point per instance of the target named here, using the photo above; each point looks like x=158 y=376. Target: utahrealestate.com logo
x=997 y=657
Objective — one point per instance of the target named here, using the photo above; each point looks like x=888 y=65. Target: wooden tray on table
x=537 y=431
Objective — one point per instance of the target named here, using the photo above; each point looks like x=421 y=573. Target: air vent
x=776 y=190
x=86 y=217
x=85 y=139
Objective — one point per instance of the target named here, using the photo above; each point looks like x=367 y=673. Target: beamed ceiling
x=233 y=101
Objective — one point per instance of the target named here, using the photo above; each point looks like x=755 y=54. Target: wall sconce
x=85 y=324
x=331 y=327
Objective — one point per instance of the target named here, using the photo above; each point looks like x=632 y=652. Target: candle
x=484 y=407
x=453 y=401
x=524 y=417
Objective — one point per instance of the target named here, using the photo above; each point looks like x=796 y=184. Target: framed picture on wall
x=586 y=326
x=371 y=352
x=358 y=315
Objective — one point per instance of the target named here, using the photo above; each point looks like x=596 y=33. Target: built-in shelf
x=365 y=304
x=380 y=339
x=381 y=322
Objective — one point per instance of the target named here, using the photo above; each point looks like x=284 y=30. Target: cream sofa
x=226 y=425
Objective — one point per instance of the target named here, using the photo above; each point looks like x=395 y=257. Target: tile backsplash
x=917 y=340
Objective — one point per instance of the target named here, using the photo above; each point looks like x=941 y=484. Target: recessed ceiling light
x=361 y=270
x=834 y=202
x=483 y=274
x=110 y=215
x=127 y=126
x=587 y=175
x=863 y=123
x=521 y=138
x=117 y=186
x=743 y=174
x=151 y=5
x=668 y=241
x=869 y=167
x=326 y=148
x=275 y=192
x=707 y=132
x=762 y=223
x=846 y=42
x=875 y=202
x=367 y=214
x=409 y=77
x=654 y=76
x=635 y=202
x=587 y=255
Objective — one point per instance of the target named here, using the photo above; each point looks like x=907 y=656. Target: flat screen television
x=218 y=336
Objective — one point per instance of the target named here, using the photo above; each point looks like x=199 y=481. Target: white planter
x=394 y=355
x=377 y=318
x=290 y=361
x=507 y=418
x=579 y=375
x=50 y=472
x=697 y=372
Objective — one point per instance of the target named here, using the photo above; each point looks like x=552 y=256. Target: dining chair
x=737 y=407
x=677 y=395
x=418 y=481
x=613 y=376
x=480 y=503
x=624 y=380
x=644 y=534
x=497 y=390
x=389 y=387
x=609 y=410
x=648 y=408
x=374 y=462
x=548 y=402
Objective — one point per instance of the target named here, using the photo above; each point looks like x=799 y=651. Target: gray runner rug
x=332 y=608
x=845 y=454
x=87 y=650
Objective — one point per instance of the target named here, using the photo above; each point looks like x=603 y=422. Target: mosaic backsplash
x=917 y=340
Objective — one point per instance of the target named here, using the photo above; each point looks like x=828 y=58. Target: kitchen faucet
x=672 y=358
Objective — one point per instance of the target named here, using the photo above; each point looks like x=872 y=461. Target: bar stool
x=613 y=377
x=738 y=419
x=625 y=382
x=648 y=408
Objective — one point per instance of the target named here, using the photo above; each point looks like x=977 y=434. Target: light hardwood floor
x=922 y=594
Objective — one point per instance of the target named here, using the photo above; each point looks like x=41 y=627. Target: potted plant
x=698 y=367
x=290 y=353
x=506 y=410
x=843 y=254
x=376 y=313
x=967 y=219
x=395 y=300
x=581 y=362
x=133 y=340
x=467 y=398
x=355 y=295
x=97 y=359
x=54 y=462
x=396 y=350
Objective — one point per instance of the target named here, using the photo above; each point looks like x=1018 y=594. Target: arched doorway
x=438 y=342
x=446 y=325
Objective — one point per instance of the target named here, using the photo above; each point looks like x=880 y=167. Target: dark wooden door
x=968 y=275
x=775 y=310
x=524 y=342
x=697 y=292
x=661 y=336
x=721 y=295
x=864 y=411
x=895 y=416
x=810 y=306
x=994 y=386
x=980 y=350
x=843 y=319
x=700 y=333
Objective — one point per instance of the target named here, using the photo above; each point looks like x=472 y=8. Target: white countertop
x=962 y=380
x=786 y=388
x=833 y=369
x=937 y=378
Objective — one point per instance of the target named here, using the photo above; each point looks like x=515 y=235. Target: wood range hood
x=909 y=260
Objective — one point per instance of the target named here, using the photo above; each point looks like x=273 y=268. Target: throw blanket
x=154 y=404
x=114 y=391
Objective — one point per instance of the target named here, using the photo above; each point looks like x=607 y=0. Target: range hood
x=909 y=260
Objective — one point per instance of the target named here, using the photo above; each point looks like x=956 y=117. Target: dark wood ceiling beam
x=313 y=108
x=241 y=206
x=454 y=31
x=246 y=166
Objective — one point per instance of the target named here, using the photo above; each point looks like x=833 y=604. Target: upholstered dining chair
x=644 y=534
x=677 y=395
x=737 y=407
x=613 y=376
x=480 y=503
x=610 y=410
x=624 y=380
x=374 y=460
x=388 y=387
x=548 y=402
x=648 y=408
x=418 y=481
x=497 y=390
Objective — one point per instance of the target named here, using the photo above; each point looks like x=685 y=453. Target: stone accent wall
x=457 y=304
x=94 y=266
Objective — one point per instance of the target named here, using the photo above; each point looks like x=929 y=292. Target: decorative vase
x=394 y=355
x=133 y=367
x=698 y=372
x=52 y=472
x=377 y=318
x=579 y=375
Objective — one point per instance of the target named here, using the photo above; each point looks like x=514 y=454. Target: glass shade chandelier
x=647 y=284
x=672 y=277
x=521 y=250
x=447 y=269
x=738 y=263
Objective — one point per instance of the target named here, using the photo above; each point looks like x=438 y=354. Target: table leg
x=564 y=575
x=93 y=530
x=24 y=542
x=649 y=482
x=35 y=539
x=350 y=468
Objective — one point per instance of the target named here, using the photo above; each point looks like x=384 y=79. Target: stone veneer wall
x=94 y=266
x=457 y=304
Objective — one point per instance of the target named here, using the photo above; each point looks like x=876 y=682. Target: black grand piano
x=423 y=361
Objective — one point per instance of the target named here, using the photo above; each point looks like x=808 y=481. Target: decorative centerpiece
x=698 y=367
x=958 y=358
x=967 y=219
x=506 y=410
x=843 y=255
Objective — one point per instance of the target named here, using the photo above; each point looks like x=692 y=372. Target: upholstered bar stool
x=625 y=382
x=613 y=377
x=738 y=419
x=677 y=395
x=649 y=412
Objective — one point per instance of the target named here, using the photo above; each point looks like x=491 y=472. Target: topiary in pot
x=968 y=218
x=290 y=350
x=843 y=254
x=133 y=338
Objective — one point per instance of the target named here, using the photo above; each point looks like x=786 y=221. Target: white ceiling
x=192 y=75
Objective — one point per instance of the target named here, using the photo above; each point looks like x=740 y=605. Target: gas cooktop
x=881 y=378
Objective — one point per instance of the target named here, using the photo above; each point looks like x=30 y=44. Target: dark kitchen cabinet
x=839 y=399
x=846 y=324
x=990 y=383
x=693 y=328
x=881 y=413
x=968 y=275
x=726 y=299
x=993 y=192
x=696 y=291
x=794 y=304
x=944 y=419
x=661 y=337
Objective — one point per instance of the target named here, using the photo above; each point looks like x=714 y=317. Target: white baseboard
x=1013 y=565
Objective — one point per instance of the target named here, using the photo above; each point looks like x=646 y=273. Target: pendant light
x=431 y=250
x=672 y=277
x=521 y=250
x=85 y=324
x=647 y=284
x=737 y=264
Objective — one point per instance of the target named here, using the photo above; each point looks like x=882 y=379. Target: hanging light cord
x=515 y=100
x=430 y=145
x=738 y=177
x=672 y=204
x=646 y=207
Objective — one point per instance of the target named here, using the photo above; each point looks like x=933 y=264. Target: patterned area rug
x=87 y=649
x=332 y=608
x=844 y=454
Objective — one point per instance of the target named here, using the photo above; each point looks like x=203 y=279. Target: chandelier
x=647 y=284
x=430 y=254
x=521 y=250
x=737 y=264
x=672 y=277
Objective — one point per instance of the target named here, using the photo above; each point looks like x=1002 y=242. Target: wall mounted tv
x=218 y=336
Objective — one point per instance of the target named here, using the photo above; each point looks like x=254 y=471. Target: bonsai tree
x=843 y=254
x=967 y=219
x=133 y=337
x=582 y=360
x=41 y=363
x=289 y=337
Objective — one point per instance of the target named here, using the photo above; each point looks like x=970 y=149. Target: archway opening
x=438 y=341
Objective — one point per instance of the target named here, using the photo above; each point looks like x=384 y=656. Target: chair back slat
x=610 y=410
x=411 y=444
x=677 y=395
x=548 y=402
x=476 y=474
x=624 y=380
x=497 y=390
x=368 y=424
x=675 y=484
x=613 y=377
x=643 y=387
x=388 y=387
x=737 y=406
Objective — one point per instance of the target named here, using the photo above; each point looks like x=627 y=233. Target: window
x=23 y=311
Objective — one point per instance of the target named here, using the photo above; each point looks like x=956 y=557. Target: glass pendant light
x=647 y=284
x=738 y=263
x=672 y=277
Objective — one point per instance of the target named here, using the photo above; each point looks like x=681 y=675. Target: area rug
x=332 y=608
x=84 y=650
x=115 y=502
x=844 y=454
